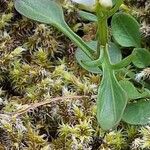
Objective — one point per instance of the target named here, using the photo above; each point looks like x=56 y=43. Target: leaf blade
x=142 y=58
x=125 y=30
x=112 y=100
x=50 y=12
x=130 y=90
x=42 y=11
x=137 y=113
x=87 y=16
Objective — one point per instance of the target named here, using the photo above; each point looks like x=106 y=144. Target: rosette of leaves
x=103 y=57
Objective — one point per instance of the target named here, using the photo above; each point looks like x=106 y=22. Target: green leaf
x=114 y=53
x=137 y=113
x=146 y=93
x=111 y=101
x=46 y=11
x=87 y=16
x=82 y=58
x=142 y=58
x=123 y=63
x=125 y=30
x=114 y=1
x=50 y=12
x=130 y=90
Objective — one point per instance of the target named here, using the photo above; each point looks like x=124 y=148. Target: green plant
x=103 y=56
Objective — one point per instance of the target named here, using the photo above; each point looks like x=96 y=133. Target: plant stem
x=102 y=32
x=78 y=41
x=115 y=8
x=103 y=15
x=102 y=27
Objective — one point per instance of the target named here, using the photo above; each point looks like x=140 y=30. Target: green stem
x=102 y=32
x=115 y=8
x=102 y=27
x=98 y=51
x=106 y=58
x=77 y=40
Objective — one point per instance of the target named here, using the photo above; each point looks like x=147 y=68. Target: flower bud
x=106 y=3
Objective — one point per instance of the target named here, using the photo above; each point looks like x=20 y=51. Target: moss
x=37 y=64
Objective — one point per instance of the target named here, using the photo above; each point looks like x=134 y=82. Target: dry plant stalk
x=26 y=108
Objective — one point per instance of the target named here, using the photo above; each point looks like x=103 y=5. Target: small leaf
x=87 y=16
x=142 y=58
x=137 y=113
x=130 y=90
x=125 y=30
x=111 y=101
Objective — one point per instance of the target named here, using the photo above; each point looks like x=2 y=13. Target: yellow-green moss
x=37 y=64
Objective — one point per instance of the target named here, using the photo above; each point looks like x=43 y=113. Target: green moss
x=37 y=64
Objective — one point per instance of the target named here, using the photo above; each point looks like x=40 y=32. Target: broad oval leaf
x=142 y=58
x=111 y=101
x=137 y=113
x=46 y=11
x=114 y=53
x=125 y=30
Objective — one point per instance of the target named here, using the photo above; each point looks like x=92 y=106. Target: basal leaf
x=142 y=58
x=111 y=101
x=137 y=113
x=46 y=11
x=125 y=30
x=50 y=12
